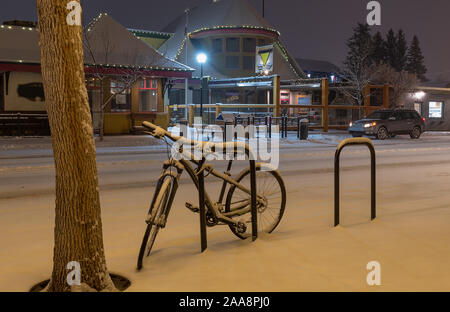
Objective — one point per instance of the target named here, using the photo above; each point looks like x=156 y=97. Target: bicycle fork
x=175 y=178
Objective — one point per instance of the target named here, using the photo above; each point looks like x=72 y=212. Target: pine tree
x=360 y=48
x=379 y=49
x=401 y=52
x=358 y=62
x=416 y=60
x=391 y=48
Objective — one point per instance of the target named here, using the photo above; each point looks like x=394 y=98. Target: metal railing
x=19 y=124
x=300 y=124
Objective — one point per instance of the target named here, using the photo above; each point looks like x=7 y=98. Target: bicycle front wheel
x=271 y=201
x=156 y=217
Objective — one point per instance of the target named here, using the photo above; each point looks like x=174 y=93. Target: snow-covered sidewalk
x=410 y=238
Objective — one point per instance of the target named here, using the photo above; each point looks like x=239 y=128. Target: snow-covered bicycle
x=233 y=210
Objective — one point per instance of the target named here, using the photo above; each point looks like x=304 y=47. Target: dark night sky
x=310 y=28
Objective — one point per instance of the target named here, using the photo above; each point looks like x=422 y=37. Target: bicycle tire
x=260 y=189
x=161 y=198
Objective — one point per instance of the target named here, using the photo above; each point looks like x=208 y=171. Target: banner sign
x=264 y=60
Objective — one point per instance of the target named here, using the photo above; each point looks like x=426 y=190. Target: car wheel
x=416 y=133
x=382 y=133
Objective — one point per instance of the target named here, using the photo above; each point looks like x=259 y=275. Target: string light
x=222 y=27
x=284 y=52
x=182 y=68
x=17 y=28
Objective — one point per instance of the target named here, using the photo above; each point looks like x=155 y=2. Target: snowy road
x=410 y=238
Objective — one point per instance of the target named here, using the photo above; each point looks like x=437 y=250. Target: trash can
x=304 y=129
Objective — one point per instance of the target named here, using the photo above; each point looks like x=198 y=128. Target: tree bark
x=78 y=227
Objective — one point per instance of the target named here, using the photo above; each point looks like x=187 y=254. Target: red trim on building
x=36 y=68
x=144 y=72
x=210 y=32
x=28 y=68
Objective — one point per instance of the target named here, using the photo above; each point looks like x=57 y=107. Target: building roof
x=225 y=15
x=318 y=66
x=155 y=39
x=22 y=45
x=106 y=43
x=217 y=13
x=436 y=84
x=109 y=43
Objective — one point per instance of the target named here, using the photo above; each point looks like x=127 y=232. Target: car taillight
x=423 y=119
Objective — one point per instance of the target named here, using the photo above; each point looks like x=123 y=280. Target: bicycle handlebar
x=159 y=133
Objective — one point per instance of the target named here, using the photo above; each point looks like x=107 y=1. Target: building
x=432 y=101
x=319 y=69
x=126 y=78
x=228 y=32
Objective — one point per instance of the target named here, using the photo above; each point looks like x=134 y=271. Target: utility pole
x=186 y=87
x=263 y=8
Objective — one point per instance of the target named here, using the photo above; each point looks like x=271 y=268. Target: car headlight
x=369 y=125
x=351 y=124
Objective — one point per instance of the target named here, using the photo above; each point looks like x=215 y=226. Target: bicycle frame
x=183 y=164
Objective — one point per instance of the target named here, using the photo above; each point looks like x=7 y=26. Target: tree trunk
x=78 y=226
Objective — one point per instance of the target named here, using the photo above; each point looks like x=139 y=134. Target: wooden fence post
x=325 y=92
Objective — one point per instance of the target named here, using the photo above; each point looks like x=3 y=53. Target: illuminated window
x=233 y=45
x=148 y=95
x=121 y=101
x=436 y=109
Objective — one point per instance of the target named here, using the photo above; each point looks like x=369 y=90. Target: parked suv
x=384 y=124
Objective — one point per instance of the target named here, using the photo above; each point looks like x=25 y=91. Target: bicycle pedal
x=192 y=208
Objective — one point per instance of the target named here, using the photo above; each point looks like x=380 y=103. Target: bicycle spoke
x=270 y=200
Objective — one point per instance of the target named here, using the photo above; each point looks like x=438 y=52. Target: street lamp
x=201 y=59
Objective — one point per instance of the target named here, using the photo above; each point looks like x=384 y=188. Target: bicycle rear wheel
x=271 y=194
x=156 y=218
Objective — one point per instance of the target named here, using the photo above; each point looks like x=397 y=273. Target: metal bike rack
x=202 y=207
x=341 y=146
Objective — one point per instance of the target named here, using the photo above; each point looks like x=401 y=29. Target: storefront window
x=121 y=102
x=148 y=95
x=232 y=97
x=436 y=109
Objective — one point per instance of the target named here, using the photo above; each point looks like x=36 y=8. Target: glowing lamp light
x=419 y=95
x=202 y=58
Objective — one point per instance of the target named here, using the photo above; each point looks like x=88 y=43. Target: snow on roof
x=317 y=66
x=228 y=13
x=436 y=84
x=222 y=14
x=106 y=42
x=109 y=43
x=150 y=33
x=19 y=45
